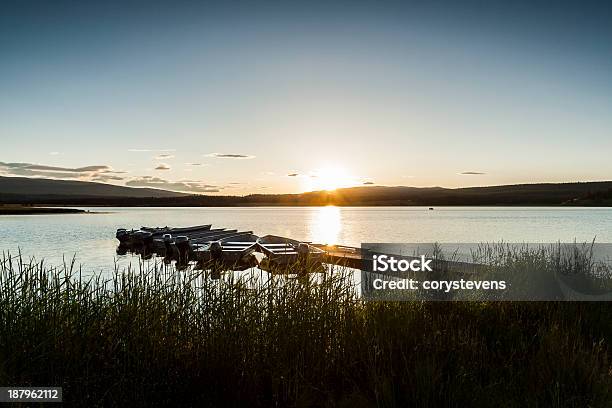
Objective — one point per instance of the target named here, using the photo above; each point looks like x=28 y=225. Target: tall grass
x=161 y=337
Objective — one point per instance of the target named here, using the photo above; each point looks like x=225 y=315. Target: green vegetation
x=162 y=337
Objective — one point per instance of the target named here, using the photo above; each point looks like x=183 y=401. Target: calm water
x=92 y=236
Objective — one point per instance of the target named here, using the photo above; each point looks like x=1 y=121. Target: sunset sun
x=330 y=178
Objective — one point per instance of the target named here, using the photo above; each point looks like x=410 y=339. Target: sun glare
x=330 y=178
x=325 y=225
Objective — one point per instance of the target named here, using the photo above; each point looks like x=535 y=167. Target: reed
x=158 y=336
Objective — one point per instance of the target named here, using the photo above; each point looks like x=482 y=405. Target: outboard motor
x=216 y=250
x=303 y=250
x=138 y=236
x=182 y=244
x=167 y=244
x=122 y=235
x=147 y=237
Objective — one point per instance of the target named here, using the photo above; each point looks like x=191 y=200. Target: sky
x=241 y=97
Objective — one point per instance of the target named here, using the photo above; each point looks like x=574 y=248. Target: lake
x=91 y=237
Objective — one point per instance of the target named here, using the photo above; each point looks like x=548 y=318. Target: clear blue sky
x=243 y=97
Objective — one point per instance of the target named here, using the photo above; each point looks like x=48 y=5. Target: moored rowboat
x=283 y=250
x=147 y=234
x=169 y=230
x=230 y=246
x=236 y=247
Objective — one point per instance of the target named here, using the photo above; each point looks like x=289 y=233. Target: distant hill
x=39 y=191
x=32 y=187
x=518 y=194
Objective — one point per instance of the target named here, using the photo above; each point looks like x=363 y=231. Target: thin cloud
x=368 y=183
x=163 y=166
x=230 y=156
x=54 y=153
x=472 y=173
x=293 y=174
x=56 y=172
x=164 y=156
x=151 y=150
x=105 y=178
x=40 y=167
x=184 y=186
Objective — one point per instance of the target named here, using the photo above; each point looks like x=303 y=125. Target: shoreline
x=24 y=210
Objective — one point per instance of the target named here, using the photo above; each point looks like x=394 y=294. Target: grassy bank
x=162 y=337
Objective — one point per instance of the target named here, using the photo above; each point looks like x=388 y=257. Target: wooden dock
x=341 y=255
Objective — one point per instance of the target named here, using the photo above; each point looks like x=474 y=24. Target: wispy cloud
x=368 y=183
x=54 y=153
x=234 y=184
x=106 y=178
x=230 y=156
x=162 y=166
x=472 y=173
x=164 y=156
x=185 y=186
x=152 y=150
x=293 y=174
x=89 y=173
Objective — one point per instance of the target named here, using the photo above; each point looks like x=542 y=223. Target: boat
x=281 y=250
x=206 y=239
x=187 y=244
x=132 y=237
x=167 y=239
x=147 y=234
x=229 y=246
x=235 y=247
x=169 y=230
x=123 y=235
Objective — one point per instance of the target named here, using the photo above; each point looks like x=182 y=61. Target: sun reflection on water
x=325 y=225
